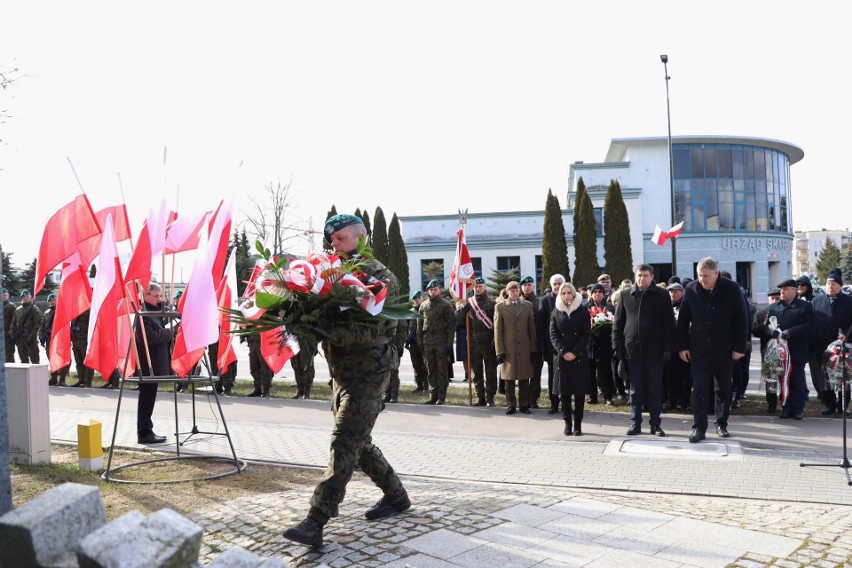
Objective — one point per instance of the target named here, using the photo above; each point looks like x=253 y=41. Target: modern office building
x=732 y=193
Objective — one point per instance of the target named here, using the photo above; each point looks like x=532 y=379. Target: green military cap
x=25 y=293
x=4 y=291
x=51 y=297
x=433 y=284
x=337 y=222
x=416 y=294
x=177 y=294
x=480 y=281
x=527 y=280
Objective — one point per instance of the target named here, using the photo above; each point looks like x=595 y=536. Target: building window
x=476 y=261
x=598 y=212
x=731 y=187
x=507 y=263
x=538 y=274
x=431 y=268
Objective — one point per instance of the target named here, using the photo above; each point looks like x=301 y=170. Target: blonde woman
x=570 y=330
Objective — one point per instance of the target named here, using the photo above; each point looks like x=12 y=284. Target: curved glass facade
x=731 y=187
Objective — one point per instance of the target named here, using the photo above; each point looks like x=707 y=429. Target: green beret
x=177 y=294
x=527 y=280
x=480 y=281
x=415 y=295
x=4 y=291
x=51 y=297
x=433 y=284
x=25 y=293
x=337 y=222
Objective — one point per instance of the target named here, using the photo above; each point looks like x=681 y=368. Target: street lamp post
x=665 y=60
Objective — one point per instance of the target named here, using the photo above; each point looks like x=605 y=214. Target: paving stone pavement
x=520 y=502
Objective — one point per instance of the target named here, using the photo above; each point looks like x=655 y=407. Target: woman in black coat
x=570 y=329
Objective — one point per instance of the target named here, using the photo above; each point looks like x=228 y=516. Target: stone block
x=163 y=540
x=47 y=530
x=238 y=557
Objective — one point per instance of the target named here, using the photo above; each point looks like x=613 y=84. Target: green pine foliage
x=829 y=257
x=28 y=279
x=326 y=246
x=554 y=248
x=381 y=246
x=397 y=255
x=366 y=218
x=244 y=263
x=618 y=253
x=499 y=279
x=11 y=281
x=845 y=265
x=586 y=269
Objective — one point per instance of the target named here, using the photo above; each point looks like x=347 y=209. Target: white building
x=733 y=194
x=809 y=245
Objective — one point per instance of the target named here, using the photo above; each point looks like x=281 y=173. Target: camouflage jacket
x=80 y=327
x=480 y=333
x=46 y=328
x=8 y=314
x=438 y=326
x=345 y=336
x=26 y=321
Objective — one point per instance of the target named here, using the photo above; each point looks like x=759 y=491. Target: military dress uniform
x=483 y=356
x=435 y=335
x=25 y=325
x=79 y=343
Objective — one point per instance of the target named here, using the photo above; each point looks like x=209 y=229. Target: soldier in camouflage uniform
x=225 y=383
x=413 y=346
x=360 y=360
x=528 y=294
x=392 y=389
x=435 y=335
x=8 y=314
x=303 y=368
x=482 y=353
x=260 y=371
x=45 y=331
x=79 y=343
x=25 y=325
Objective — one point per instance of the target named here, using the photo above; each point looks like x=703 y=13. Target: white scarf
x=567 y=310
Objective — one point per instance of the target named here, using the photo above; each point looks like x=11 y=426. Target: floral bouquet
x=836 y=364
x=309 y=298
x=776 y=368
x=602 y=320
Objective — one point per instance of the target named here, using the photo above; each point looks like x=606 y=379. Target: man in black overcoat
x=712 y=330
x=832 y=315
x=159 y=340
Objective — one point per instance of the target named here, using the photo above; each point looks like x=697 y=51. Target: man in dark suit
x=712 y=330
x=794 y=317
x=832 y=316
x=542 y=334
x=158 y=339
x=643 y=334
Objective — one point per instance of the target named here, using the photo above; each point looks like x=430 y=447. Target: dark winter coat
x=829 y=317
x=570 y=330
x=159 y=339
x=712 y=325
x=794 y=320
x=542 y=323
x=644 y=327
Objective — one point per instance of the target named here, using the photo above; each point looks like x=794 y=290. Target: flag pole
x=462 y=223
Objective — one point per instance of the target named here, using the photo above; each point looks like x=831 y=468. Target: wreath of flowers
x=602 y=320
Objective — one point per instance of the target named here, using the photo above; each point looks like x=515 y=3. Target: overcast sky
x=421 y=108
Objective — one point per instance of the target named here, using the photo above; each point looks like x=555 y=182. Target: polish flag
x=121 y=225
x=228 y=299
x=199 y=313
x=103 y=352
x=73 y=298
x=150 y=243
x=220 y=236
x=661 y=236
x=277 y=347
x=182 y=233
x=68 y=227
x=462 y=274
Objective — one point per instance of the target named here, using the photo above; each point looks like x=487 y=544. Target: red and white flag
x=68 y=227
x=149 y=244
x=228 y=299
x=462 y=275
x=220 y=236
x=661 y=236
x=103 y=351
x=277 y=347
x=74 y=298
x=200 y=312
x=121 y=226
x=182 y=233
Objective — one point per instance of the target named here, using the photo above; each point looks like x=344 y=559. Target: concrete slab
x=675 y=449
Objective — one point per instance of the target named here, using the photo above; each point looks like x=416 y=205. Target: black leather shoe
x=151 y=439
x=439 y=402
x=52 y=383
x=489 y=403
x=393 y=400
x=771 y=409
x=735 y=404
x=479 y=402
x=256 y=393
x=722 y=431
x=525 y=410
x=569 y=429
x=696 y=436
x=785 y=414
x=592 y=400
x=553 y=410
x=634 y=430
x=431 y=401
x=307 y=532
x=61 y=384
x=657 y=431
x=827 y=410
x=417 y=390
x=578 y=431
x=798 y=416
x=511 y=410
x=299 y=395
x=534 y=404
x=107 y=386
x=388 y=506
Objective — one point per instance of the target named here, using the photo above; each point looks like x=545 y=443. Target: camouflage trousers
x=84 y=374
x=437 y=365
x=260 y=371
x=482 y=355
x=360 y=376
x=303 y=369
x=60 y=374
x=10 y=348
x=28 y=350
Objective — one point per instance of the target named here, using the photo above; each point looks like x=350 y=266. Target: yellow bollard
x=89 y=449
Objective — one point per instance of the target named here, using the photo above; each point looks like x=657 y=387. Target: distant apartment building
x=809 y=244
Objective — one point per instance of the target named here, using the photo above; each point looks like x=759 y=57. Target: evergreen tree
x=28 y=278
x=244 y=263
x=618 y=253
x=829 y=257
x=554 y=249
x=11 y=281
x=366 y=218
x=326 y=246
x=380 y=237
x=845 y=265
x=499 y=279
x=397 y=255
x=586 y=269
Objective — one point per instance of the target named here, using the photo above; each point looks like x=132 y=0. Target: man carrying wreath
x=360 y=360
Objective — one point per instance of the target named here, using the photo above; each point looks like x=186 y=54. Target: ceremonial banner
x=462 y=275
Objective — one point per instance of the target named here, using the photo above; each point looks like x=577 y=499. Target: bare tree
x=8 y=77
x=271 y=219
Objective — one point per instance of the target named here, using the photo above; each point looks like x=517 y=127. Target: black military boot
x=480 y=401
x=307 y=532
x=256 y=393
x=52 y=382
x=307 y=393
x=265 y=392
x=771 y=402
x=387 y=506
x=554 y=405
x=386 y=398
x=569 y=429
x=299 y=394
